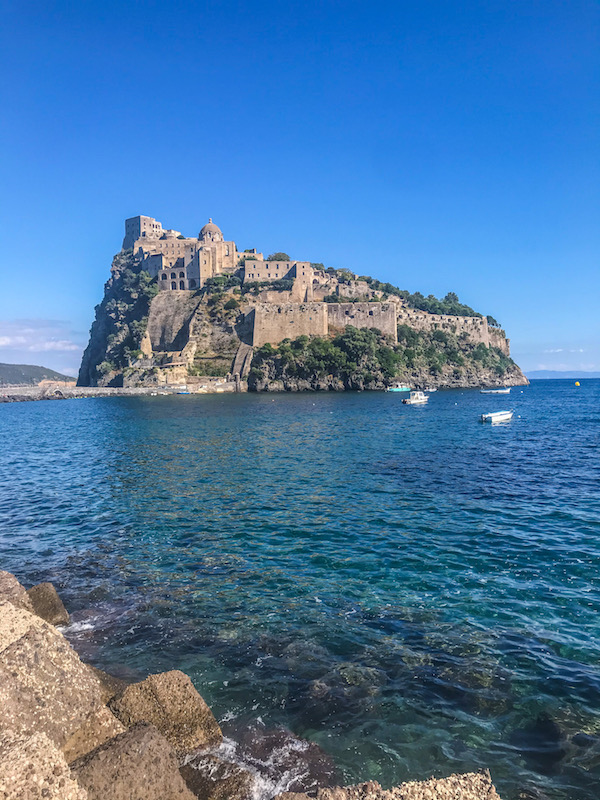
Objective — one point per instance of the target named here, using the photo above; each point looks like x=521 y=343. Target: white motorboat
x=497 y=416
x=415 y=399
x=495 y=391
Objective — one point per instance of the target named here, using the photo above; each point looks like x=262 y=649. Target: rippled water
x=411 y=590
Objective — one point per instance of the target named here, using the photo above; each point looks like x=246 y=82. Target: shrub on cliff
x=364 y=358
x=121 y=319
x=356 y=357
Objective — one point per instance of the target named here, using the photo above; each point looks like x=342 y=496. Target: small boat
x=497 y=416
x=431 y=389
x=495 y=391
x=415 y=399
x=398 y=388
x=186 y=392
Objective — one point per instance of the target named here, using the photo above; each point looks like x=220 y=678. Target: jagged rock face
x=121 y=318
x=142 y=337
x=365 y=359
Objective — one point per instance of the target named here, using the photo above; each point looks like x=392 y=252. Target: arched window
x=182 y=274
x=173 y=275
x=192 y=283
x=182 y=284
x=173 y=285
x=163 y=277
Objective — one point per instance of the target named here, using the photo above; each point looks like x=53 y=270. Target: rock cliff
x=144 y=338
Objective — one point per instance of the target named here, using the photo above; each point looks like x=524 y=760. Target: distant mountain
x=28 y=375
x=554 y=374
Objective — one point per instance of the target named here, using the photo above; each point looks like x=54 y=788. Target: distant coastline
x=549 y=374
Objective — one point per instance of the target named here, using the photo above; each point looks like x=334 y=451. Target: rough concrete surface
x=468 y=786
x=44 y=687
x=47 y=604
x=96 y=730
x=33 y=768
x=11 y=590
x=137 y=765
x=170 y=702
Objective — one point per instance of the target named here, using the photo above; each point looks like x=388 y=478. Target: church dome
x=210 y=233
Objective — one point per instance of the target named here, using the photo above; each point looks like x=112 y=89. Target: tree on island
x=278 y=257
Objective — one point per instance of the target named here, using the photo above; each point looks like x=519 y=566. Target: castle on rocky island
x=178 y=308
x=183 y=264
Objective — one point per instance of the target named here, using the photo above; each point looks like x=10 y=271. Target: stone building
x=181 y=263
x=178 y=262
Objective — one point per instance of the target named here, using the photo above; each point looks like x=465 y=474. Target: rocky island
x=179 y=310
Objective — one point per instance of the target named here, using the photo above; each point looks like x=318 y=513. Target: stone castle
x=182 y=265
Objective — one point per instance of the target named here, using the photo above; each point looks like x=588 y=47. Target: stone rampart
x=476 y=328
x=273 y=323
x=363 y=315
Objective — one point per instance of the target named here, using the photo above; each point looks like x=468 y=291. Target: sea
x=384 y=592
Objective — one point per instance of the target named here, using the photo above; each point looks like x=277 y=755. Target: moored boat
x=398 y=388
x=415 y=399
x=506 y=390
x=497 y=416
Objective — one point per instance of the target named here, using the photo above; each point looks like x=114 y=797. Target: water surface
x=412 y=590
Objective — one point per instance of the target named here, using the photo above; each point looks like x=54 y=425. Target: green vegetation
x=221 y=283
x=433 y=350
x=450 y=304
x=28 y=375
x=358 y=357
x=278 y=257
x=364 y=358
x=213 y=367
x=282 y=285
x=123 y=313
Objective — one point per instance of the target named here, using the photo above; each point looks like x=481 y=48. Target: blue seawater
x=414 y=591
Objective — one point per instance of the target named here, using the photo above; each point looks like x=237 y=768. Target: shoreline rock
x=71 y=732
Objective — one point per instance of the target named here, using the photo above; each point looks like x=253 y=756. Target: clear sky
x=443 y=145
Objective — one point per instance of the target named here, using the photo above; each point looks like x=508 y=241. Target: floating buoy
x=577 y=383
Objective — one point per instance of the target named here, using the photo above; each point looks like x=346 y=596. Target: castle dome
x=210 y=232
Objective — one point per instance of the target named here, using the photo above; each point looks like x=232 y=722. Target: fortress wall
x=273 y=323
x=498 y=339
x=364 y=315
x=476 y=328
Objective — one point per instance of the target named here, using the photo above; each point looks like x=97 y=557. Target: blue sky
x=443 y=146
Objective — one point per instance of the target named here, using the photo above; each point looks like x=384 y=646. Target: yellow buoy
x=577 y=383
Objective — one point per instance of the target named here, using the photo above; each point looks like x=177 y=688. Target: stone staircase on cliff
x=242 y=360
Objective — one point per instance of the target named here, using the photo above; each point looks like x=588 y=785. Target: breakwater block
x=44 y=686
x=12 y=591
x=33 y=767
x=47 y=604
x=170 y=702
x=136 y=765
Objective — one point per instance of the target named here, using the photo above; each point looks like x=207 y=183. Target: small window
x=173 y=275
x=173 y=285
x=163 y=277
x=182 y=284
x=182 y=274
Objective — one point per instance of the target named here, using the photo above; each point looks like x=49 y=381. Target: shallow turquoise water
x=412 y=590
